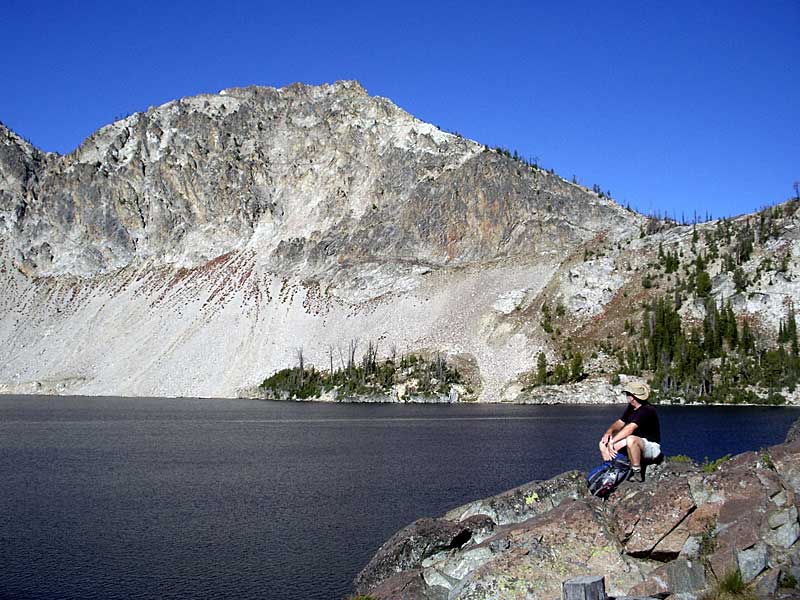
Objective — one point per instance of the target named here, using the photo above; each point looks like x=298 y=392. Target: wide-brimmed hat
x=638 y=389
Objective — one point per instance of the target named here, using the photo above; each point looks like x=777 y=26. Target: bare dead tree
x=330 y=358
x=365 y=359
x=300 y=363
x=351 y=359
x=369 y=360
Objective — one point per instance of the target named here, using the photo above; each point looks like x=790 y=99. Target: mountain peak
x=298 y=88
x=197 y=177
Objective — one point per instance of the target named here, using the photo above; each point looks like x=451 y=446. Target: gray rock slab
x=586 y=587
x=686 y=576
x=752 y=561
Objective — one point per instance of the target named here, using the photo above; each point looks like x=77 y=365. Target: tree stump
x=584 y=588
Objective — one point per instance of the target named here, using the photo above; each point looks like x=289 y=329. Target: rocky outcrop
x=676 y=534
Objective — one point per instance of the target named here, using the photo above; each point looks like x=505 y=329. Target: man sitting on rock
x=637 y=428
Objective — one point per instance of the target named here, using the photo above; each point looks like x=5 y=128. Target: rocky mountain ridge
x=193 y=248
x=300 y=174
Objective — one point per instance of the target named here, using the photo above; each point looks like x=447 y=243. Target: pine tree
x=576 y=366
x=541 y=369
x=702 y=285
x=744 y=244
x=739 y=279
x=748 y=341
x=712 y=334
x=560 y=374
x=731 y=332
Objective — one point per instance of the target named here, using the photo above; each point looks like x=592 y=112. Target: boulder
x=766 y=584
x=752 y=561
x=407 y=585
x=793 y=435
x=679 y=576
x=739 y=522
x=650 y=513
x=785 y=459
x=685 y=538
x=526 y=501
x=586 y=587
x=409 y=547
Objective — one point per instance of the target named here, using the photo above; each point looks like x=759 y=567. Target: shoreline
x=316 y=401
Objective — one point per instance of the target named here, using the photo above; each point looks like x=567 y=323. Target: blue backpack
x=605 y=478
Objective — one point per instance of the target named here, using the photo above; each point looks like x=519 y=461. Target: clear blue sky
x=672 y=106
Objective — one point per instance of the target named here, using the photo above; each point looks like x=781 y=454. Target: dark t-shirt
x=646 y=420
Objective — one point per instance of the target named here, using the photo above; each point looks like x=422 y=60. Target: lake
x=112 y=498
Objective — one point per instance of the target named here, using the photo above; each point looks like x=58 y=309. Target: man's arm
x=624 y=432
x=614 y=428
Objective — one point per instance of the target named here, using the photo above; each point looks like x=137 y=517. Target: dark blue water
x=135 y=498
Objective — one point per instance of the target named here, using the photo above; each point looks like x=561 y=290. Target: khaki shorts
x=651 y=449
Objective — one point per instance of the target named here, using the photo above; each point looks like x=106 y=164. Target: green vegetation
x=711 y=466
x=547 y=320
x=730 y=587
x=702 y=286
x=732 y=582
x=788 y=580
x=596 y=189
x=728 y=245
x=668 y=260
x=425 y=377
x=735 y=241
x=720 y=358
x=532 y=162
x=708 y=540
x=716 y=361
x=740 y=279
x=568 y=371
x=680 y=458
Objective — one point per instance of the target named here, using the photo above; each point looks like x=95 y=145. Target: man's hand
x=606 y=439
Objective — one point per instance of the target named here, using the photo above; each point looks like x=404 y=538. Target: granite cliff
x=191 y=249
x=678 y=534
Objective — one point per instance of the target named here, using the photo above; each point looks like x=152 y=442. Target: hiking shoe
x=636 y=475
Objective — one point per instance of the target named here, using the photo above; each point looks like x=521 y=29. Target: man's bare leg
x=635 y=451
x=635 y=445
x=609 y=453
